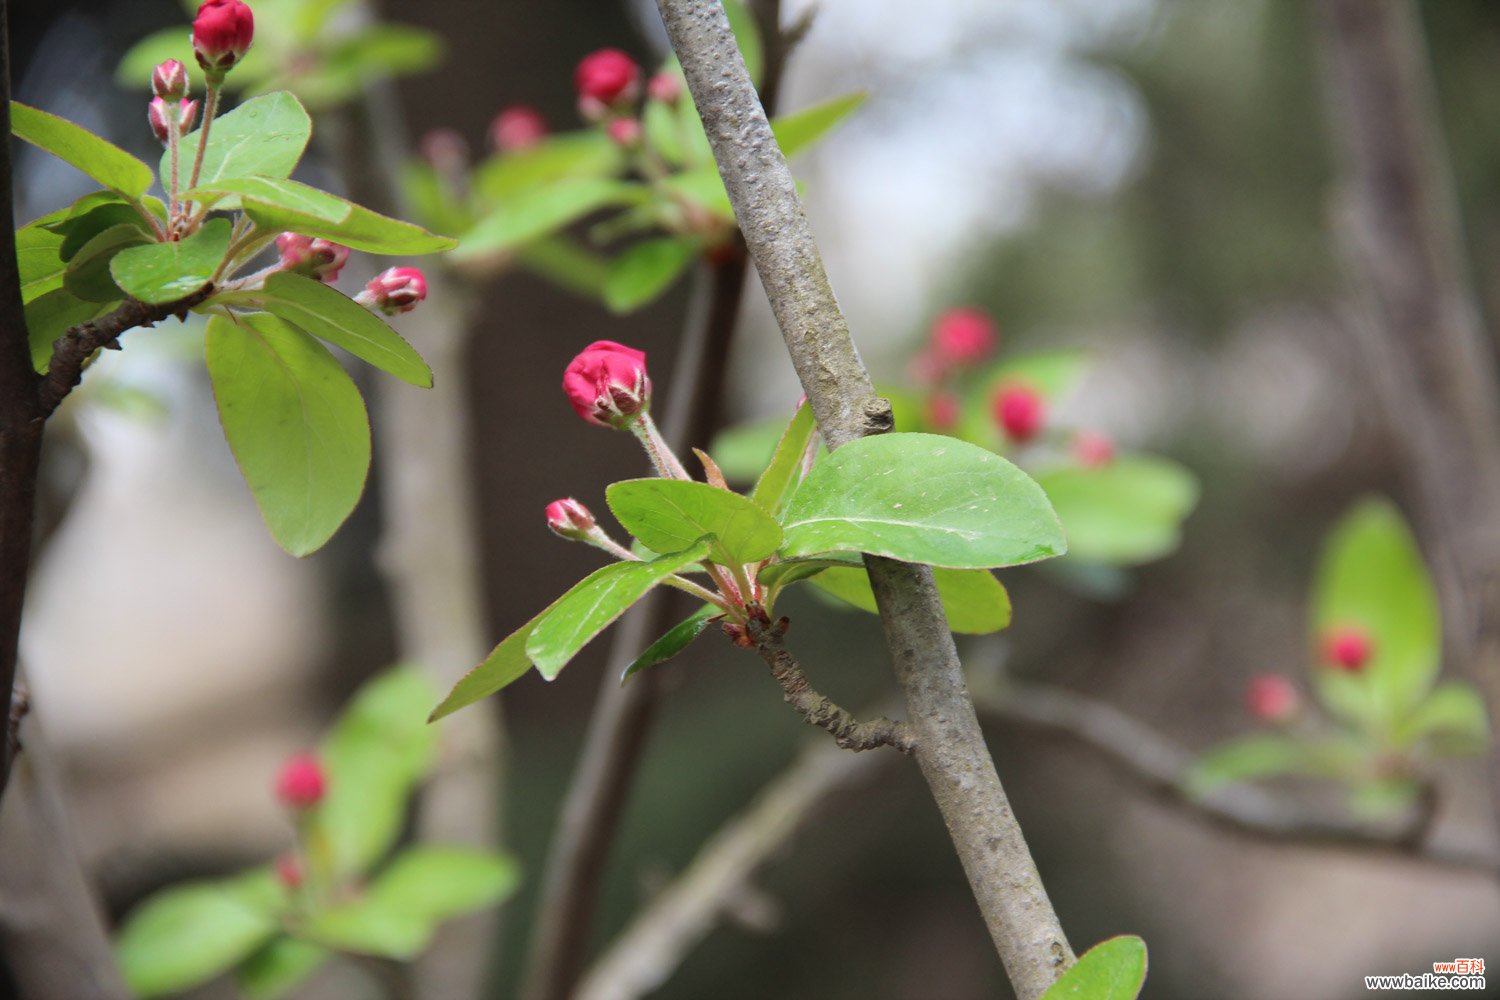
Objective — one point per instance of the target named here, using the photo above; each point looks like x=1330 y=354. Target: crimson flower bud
x=569 y=519
x=1020 y=411
x=607 y=383
x=607 y=77
x=625 y=132
x=942 y=410
x=395 y=290
x=517 y=127
x=1271 y=698
x=301 y=782
x=159 y=114
x=1347 y=647
x=170 y=80
x=664 y=87
x=312 y=256
x=1093 y=450
x=963 y=337
x=222 y=33
x=289 y=871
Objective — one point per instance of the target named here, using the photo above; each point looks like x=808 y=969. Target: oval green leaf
x=674 y=641
x=975 y=602
x=596 y=601
x=1453 y=717
x=780 y=477
x=190 y=933
x=263 y=137
x=1110 y=970
x=49 y=317
x=668 y=515
x=506 y=664
x=166 y=272
x=77 y=146
x=88 y=274
x=1124 y=513
x=520 y=220
x=921 y=498
x=278 y=966
x=295 y=422
x=646 y=270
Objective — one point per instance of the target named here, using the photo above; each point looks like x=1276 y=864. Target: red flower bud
x=301 y=783
x=1347 y=647
x=159 y=114
x=517 y=127
x=395 y=290
x=1271 y=698
x=170 y=80
x=222 y=33
x=607 y=76
x=607 y=383
x=1020 y=411
x=289 y=871
x=1093 y=450
x=312 y=256
x=963 y=337
x=624 y=132
x=569 y=518
x=942 y=410
x=664 y=87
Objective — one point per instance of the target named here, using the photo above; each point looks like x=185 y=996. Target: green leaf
x=668 y=515
x=588 y=153
x=523 y=219
x=745 y=451
x=376 y=52
x=785 y=468
x=103 y=161
x=663 y=126
x=674 y=641
x=398 y=914
x=596 y=601
x=39 y=259
x=646 y=270
x=166 y=272
x=49 y=317
x=78 y=230
x=278 y=966
x=88 y=275
x=330 y=315
x=263 y=137
x=190 y=933
x=566 y=264
x=975 y=602
x=1453 y=716
x=747 y=38
x=1371 y=576
x=1111 y=970
x=375 y=755
x=1268 y=755
x=798 y=131
x=782 y=574
x=1127 y=512
x=921 y=498
x=506 y=664
x=295 y=422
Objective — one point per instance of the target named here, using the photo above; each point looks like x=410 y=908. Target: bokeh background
x=1151 y=179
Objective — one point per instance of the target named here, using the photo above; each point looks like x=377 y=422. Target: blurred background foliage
x=1152 y=181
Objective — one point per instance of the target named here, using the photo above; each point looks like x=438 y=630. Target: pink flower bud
x=1093 y=450
x=396 y=290
x=159 y=114
x=170 y=80
x=1347 y=647
x=222 y=33
x=312 y=256
x=607 y=76
x=664 y=87
x=570 y=519
x=445 y=150
x=289 y=872
x=942 y=411
x=1271 y=698
x=963 y=337
x=607 y=383
x=1020 y=411
x=301 y=783
x=517 y=127
x=625 y=132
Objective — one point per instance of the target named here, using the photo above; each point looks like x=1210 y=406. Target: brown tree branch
x=1420 y=325
x=817 y=709
x=950 y=746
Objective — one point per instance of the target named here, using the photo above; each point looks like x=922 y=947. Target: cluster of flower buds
x=393 y=291
x=301 y=782
x=312 y=256
x=222 y=33
x=608 y=83
x=1272 y=698
x=1347 y=648
x=607 y=384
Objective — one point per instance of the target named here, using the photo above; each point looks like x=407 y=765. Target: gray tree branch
x=950 y=746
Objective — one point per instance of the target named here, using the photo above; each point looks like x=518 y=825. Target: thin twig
x=818 y=709
x=950 y=746
x=79 y=343
x=1421 y=328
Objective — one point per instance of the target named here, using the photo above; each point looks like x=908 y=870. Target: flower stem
x=210 y=109
x=174 y=152
x=657 y=449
